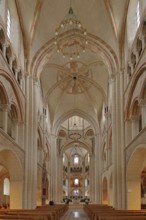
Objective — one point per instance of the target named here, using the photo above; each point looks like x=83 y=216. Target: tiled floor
x=75 y=213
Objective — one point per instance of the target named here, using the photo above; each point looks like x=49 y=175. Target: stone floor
x=75 y=212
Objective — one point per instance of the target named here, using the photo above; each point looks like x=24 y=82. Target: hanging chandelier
x=70 y=37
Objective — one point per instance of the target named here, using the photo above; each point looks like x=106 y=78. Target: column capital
x=142 y=102
x=133 y=118
x=7 y=44
x=18 y=69
x=15 y=120
x=122 y=71
x=13 y=57
x=127 y=120
x=112 y=79
x=5 y=107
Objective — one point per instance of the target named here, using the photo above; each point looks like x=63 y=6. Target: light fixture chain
x=72 y=46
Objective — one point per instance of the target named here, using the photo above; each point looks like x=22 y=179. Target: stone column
x=99 y=181
x=21 y=82
x=30 y=182
x=114 y=147
x=143 y=41
x=16 y=74
x=21 y=135
x=92 y=178
x=143 y=112
x=133 y=126
x=121 y=187
x=118 y=159
x=83 y=187
x=36 y=105
x=10 y=62
x=60 y=178
x=53 y=178
x=97 y=169
x=128 y=133
x=4 y=49
x=5 y=117
x=69 y=175
x=15 y=130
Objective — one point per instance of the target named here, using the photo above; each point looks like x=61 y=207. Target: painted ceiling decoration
x=56 y=34
x=77 y=80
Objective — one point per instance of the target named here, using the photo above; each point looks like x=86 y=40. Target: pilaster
x=30 y=184
x=97 y=169
x=60 y=178
x=54 y=178
x=5 y=108
x=128 y=131
x=92 y=178
x=118 y=158
x=114 y=147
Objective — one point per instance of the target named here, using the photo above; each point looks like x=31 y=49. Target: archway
x=104 y=191
x=12 y=164
x=136 y=164
x=75 y=161
x=4 y=187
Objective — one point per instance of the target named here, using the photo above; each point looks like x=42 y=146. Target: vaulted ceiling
x=80 y=84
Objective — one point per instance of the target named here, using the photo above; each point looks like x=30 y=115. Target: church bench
x=105 y=216
x=98 y=214
x=51 y=212
x=94 y=211
x=93 y=208
x=15 y=218
x=22 y=217
x=30 y=213
x=60 y=209
x=123 y=218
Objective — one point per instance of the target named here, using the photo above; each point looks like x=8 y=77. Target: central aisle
x=75 y=212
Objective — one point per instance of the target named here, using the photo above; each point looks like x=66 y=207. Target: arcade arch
x=13 y=166
x=136 y=164
x=78 y=147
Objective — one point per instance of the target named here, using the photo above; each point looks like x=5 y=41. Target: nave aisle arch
x=17 y=99
x=12 y=162
x=130 y=97
x=134 y=168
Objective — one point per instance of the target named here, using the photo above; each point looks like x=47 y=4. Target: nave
x=75 y=212
x=72 y=105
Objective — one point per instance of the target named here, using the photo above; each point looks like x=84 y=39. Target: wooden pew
x=23 y=217
x=104 y=216
x=47 y=212
x=50 y=215
x=124 y=218
x=60 y=209
x=100 y=212
x=92 y=209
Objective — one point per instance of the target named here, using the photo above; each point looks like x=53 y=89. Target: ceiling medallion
x=77 y=80
x=75 y=135
x=70 y=37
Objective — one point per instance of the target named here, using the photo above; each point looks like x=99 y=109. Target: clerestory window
x=8 y=24
x=138 y=14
